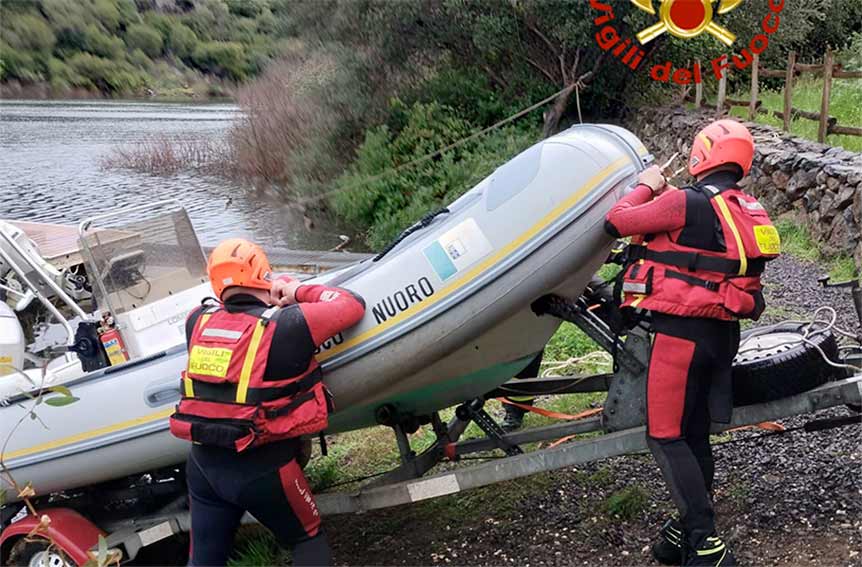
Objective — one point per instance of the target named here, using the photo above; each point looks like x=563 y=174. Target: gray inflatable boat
x=448 y=316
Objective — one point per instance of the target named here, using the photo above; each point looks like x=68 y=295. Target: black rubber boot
x=670 y=547
x=514 y=418
x=713 y=553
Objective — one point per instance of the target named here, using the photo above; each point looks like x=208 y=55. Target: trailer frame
x=622 y=423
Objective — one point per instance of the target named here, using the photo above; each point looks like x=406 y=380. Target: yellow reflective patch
x=206 y=361
x=768 y=240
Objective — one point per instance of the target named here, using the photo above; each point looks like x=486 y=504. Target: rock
x=827 y=206
x=832 y=183
x=840 y=171
x=780 y=179
x=838 y=235
x=800 y=181
x=844 y=198
x=854 y=232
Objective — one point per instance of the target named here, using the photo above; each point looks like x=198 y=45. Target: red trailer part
x=71 y=532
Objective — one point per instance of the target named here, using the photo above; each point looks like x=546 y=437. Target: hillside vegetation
x=129 y=48
x=370 y=87
x=362 y=91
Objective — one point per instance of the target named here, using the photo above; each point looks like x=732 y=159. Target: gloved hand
x=653 y=178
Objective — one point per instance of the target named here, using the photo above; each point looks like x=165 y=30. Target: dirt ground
x=788 y=499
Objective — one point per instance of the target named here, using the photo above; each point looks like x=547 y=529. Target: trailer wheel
x=37 y=554
x=778 y=364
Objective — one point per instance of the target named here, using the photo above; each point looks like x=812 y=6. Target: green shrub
x=17 y=64
x=107 y=76
x=222 y=58
x=99 y=43
x=181 y=41
x=140 y=60
x=246 y=8
x=63 y=76
x=467 y=91
x=26 y=32
x=107 y=13
x=145 y=38
x=372 y=196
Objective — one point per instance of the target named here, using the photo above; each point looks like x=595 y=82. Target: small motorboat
x=448 y=311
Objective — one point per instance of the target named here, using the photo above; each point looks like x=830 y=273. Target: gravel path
x=790 y=499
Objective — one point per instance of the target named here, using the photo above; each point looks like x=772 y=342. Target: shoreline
x=43 y=92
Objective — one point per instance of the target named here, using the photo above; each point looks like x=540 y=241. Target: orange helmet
x=238 y=262
x=723 y=141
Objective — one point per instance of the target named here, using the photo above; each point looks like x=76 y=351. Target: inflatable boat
x=448 y=312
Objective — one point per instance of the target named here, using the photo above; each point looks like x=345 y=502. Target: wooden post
x=755 y=87
x=722 y=93
x=824 y=104
x=788 y=89
x=698 y=91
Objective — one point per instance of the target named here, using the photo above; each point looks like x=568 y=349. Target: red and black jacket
x=703 y=252
x=252 y=377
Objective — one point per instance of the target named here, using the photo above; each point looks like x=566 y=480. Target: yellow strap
x=638 y=299
x=248 y=363
x=203 y=320
x=743 y=256
x=189 y=387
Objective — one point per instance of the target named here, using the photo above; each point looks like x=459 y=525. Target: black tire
x=27 y=553
x=780 y=369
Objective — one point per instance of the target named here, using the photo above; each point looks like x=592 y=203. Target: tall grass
x=798 y=242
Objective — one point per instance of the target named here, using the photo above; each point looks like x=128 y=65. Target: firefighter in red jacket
x=251 y=389
x=697 y=273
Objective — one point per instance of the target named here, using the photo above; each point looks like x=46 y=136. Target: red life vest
x=226 y=402
x=685 y=273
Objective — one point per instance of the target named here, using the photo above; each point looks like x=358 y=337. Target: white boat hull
x=448 y=317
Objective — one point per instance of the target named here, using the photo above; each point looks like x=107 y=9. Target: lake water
x=50 y=154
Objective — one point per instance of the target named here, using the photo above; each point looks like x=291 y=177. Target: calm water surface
x=50 y=153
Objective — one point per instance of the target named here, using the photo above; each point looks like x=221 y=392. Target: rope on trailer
x=554 y=367
x=552 y=414
x=810 y=331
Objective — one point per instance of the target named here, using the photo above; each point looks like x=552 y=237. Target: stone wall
x=822 y=183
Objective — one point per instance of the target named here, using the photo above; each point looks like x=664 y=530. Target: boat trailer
x=620 y=424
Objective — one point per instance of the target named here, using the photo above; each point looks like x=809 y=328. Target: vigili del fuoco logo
x=683 y=19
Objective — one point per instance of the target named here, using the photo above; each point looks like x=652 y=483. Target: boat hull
x=448 y=317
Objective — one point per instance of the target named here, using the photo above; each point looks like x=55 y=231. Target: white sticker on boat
x=433 y=487
x=457 y=249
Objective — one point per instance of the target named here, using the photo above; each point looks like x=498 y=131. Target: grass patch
x=256 y=547
x=798 y=242
x=628 y=503
x=807 y=93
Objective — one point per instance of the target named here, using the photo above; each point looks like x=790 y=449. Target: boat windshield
x=141 y=255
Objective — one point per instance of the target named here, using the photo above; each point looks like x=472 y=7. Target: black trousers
x=688 y=386
x=268 y=483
